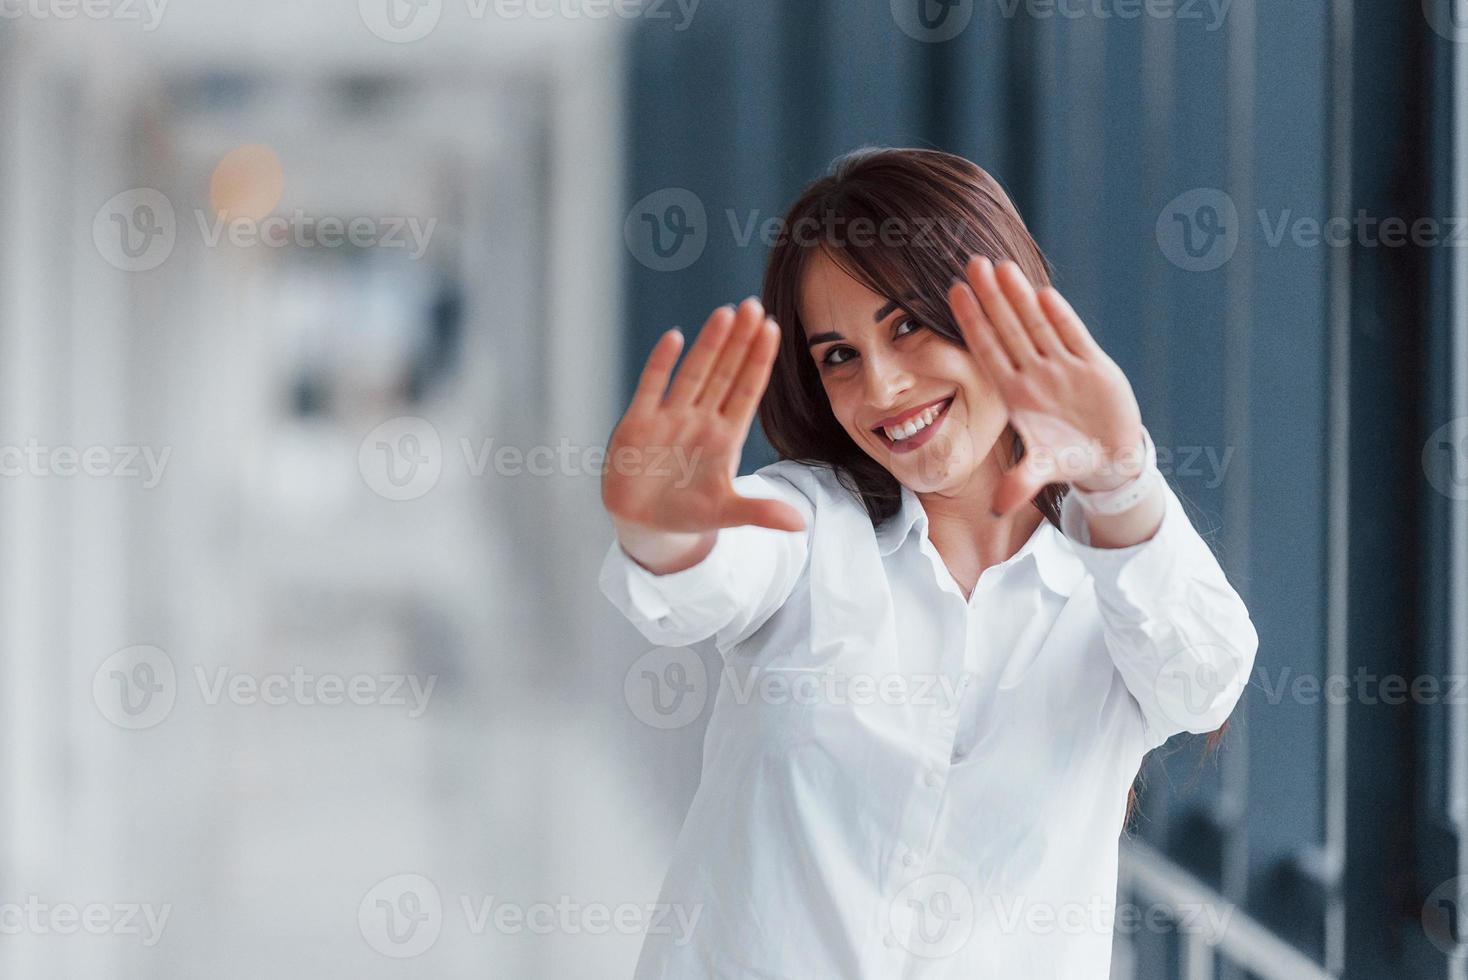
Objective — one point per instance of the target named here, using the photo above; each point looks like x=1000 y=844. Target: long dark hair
x=903 y=222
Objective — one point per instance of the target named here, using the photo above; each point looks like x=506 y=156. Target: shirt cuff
x=648 y=597
x=1147 y=569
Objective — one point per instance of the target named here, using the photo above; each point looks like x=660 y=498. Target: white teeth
x=913 y=425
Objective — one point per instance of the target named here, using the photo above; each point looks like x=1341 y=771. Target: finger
x=1068 y=326
x=721 y=378
x=996 y=307
x=761 y=512
x=654 y=378
x=1016 y=488
x=754 y=375
x=1021 y=295
x=701 y=358
x=978 y=333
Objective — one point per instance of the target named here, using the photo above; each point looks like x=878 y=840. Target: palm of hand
x=1070 y=403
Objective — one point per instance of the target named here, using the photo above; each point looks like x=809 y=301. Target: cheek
x=844 y=405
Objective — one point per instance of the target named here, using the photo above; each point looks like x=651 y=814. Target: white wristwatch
x=1123 y=498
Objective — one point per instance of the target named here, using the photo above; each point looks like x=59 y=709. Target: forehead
x=830 y=298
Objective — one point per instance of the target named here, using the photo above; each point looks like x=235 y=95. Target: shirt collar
x=1051 y=551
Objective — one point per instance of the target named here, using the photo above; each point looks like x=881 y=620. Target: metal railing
x=1240 y=940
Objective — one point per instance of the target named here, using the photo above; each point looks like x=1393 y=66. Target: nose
x=887 y=380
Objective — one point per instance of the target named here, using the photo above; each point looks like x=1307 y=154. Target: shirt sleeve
x=1178 y=633
x=749 y=574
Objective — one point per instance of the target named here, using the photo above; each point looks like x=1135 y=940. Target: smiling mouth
x=915 y=424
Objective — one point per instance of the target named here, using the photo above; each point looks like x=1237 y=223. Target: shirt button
x=890 y=940
x=909 y=859
x=931 y=779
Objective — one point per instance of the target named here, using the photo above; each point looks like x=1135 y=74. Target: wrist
x=663 y=552
x=1124 y=483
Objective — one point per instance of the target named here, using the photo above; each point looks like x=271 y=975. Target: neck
x=963 y=529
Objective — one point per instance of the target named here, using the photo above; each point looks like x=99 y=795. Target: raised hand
x=698 y=430
x=1069 y=401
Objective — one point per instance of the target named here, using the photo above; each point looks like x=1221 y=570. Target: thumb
x=760 y=512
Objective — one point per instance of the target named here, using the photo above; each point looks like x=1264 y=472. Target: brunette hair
x=929 y=212
x=903 y=223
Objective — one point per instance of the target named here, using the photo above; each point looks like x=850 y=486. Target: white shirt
x=899 y=783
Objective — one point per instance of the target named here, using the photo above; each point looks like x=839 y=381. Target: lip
x=919 y=439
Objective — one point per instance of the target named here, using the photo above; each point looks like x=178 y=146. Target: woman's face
x=885 y=373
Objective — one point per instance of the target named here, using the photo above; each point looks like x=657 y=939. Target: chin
x=933 y=469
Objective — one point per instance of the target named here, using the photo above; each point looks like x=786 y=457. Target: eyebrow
x=877 y=317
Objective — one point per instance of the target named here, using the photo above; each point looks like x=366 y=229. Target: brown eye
x=830 y=357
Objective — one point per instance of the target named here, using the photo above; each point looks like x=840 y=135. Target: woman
x=953 y=617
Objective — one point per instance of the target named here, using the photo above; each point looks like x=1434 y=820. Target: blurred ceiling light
x=247 y=183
